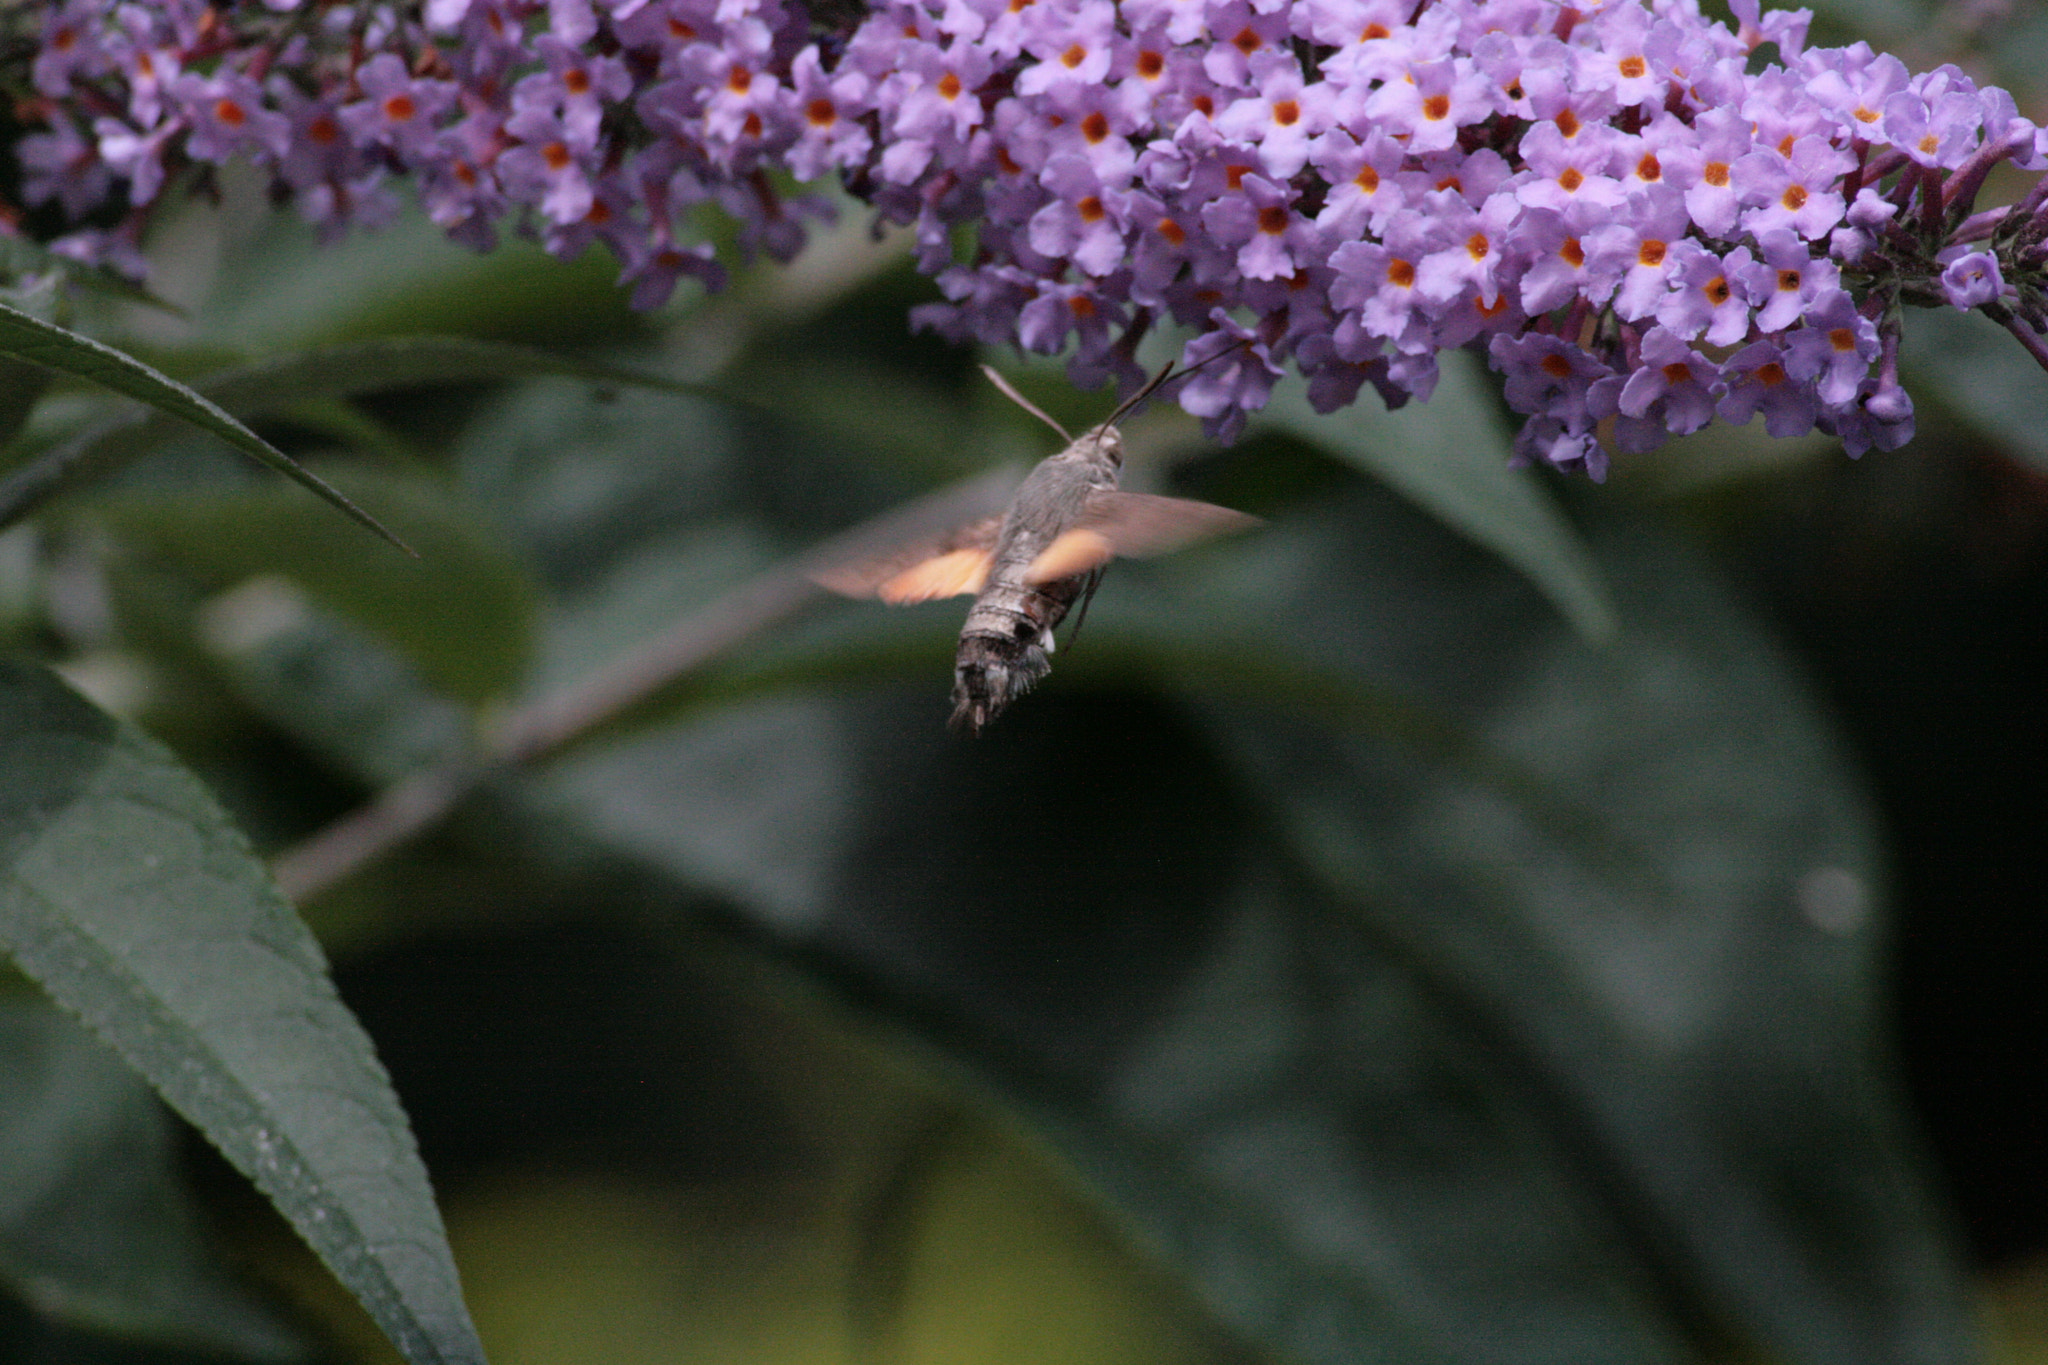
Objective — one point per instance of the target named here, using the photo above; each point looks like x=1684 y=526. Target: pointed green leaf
x=96 y=1227
x=57 y=348
x=295 y=382
x=127 y=893
x=1449 y=456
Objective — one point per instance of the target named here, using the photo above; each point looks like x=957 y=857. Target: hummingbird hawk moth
x=1030 y=564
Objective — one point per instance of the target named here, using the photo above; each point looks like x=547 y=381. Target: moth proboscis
x=1027 y=566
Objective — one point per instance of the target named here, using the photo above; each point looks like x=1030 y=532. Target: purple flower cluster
x=1642 y=223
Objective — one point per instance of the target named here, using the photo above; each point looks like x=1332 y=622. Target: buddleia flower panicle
x=1644 y=218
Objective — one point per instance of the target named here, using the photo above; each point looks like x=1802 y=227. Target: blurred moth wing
x=1112 y=524
x=945 y=575
x=1134 y=526
x=921 y=570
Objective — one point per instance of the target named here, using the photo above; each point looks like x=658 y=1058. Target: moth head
x=1109 y=445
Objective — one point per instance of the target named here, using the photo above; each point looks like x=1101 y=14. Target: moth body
x=1008 y=635
x=1028 y=567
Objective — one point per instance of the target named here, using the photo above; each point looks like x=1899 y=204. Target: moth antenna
x=1025 y=403
x=1123 y=409
x=1154 y=384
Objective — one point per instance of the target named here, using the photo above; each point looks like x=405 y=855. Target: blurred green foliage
x=1442 y=926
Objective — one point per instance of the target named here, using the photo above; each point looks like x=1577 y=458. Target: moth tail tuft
x=992 y=671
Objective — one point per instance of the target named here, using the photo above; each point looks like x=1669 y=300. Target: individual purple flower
x=1375 y=288
x=136 y=156
x=1703 y=167
x=1834 y=349
x=1757 y=381
x=461 y=192
x=833 y=133
x=931 y=95
x=1333 y=383
x=225 y=114
x=1636 y=250
x=1272 y=240
x=1703 y=295
x=1242 y=38
x=1437 y=99
x=1856 y=85
x=1558 y=266
x=1365 y=190
x=1565 y=171
x=1861 y=430
x=1797 y=191
x=1561 y=445
x=1972 y=280
x=1093 y=122
x=1703 y=64
x=1671 y=390
x=1868 y=213
x=1063 y=310
x=1223 y=387
x=63 y=164
x=1618 y=61
x=1641 y=157
x=542 y=168
x=1472 y=262
x=73 y=47
x=576 y=85
x=1547 y=376
x=1079 y=223
x=1940 y=134
x=1471 y=315
x=1073 y=46
x=1787 y=278
x=1279 y=118
x=149 y=63
x=396 y=109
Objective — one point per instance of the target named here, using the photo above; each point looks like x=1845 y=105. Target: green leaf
x=1427 y=985
x=285 y=290
x=125 y=892
x=1450 y=457
x=463 y=613
x=343 y=695
x=1976 y=370
x=349 y=368
x=295 y=383
x=96 y=1228
x=1654 y=908
x=22 y=386
x=20 y=257
x=750 y=802
x=67 y=352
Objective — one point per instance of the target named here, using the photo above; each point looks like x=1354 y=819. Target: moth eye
x=1024 y=630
